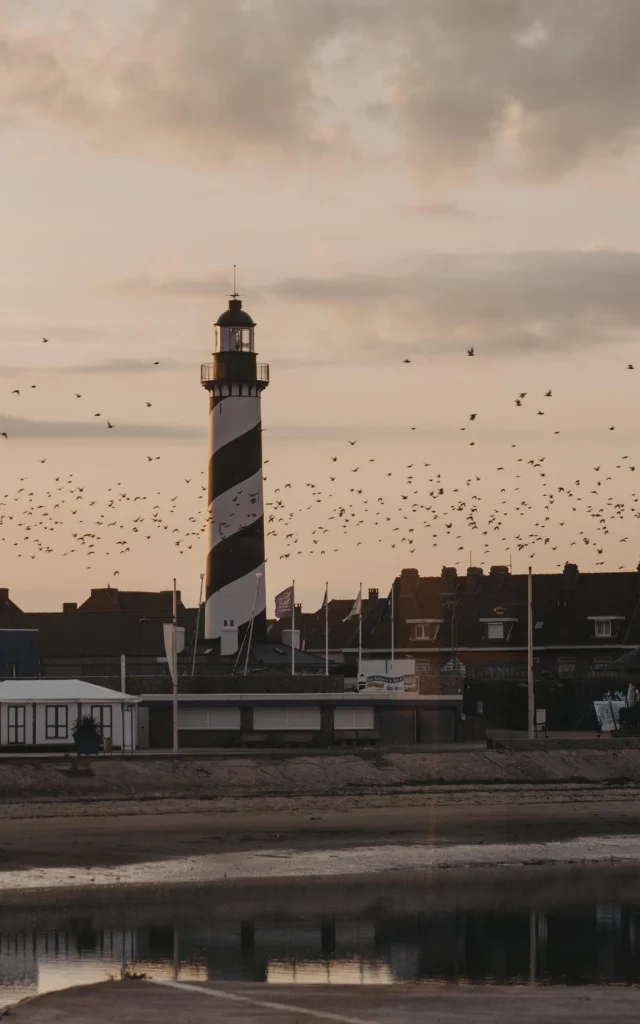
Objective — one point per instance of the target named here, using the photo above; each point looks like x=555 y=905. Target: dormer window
x=498 y=629
x=605 y=627
x=425 y=629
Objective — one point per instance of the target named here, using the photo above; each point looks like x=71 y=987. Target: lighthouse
x=235 y=577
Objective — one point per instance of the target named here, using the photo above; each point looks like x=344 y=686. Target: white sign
x=608 y=714
x=384 y=684
x=541 y=716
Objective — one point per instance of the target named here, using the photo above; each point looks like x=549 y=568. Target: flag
x=284 y=604
x=357 y=608
x=386 y=607
x=325 y=599
x=169 y=632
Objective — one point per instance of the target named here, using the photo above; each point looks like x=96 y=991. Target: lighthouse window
x=239 y=339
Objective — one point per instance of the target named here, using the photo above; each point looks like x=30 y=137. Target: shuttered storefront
x=353 y=718
x=281 y=719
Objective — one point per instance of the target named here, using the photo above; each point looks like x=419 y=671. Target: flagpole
x=393 y=622
x=360 y=632
x=293 y=627
x=326 y=629
x=174 y=666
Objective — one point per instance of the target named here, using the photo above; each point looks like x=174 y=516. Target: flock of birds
x=413 y=507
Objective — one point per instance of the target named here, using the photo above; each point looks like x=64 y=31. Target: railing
x=234 y=374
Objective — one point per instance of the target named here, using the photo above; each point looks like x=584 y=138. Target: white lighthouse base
x=234 y=604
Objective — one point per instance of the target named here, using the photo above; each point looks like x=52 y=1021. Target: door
x=16 y=724
x=102 y=715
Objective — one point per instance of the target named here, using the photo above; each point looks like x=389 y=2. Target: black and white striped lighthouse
x=235 y=580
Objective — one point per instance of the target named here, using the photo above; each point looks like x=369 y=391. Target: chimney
x=409 y=579
x=4 y=595
x=449 y=577
x=570 y=575
x=474 y=575
x=373 y=593
x=69 y=606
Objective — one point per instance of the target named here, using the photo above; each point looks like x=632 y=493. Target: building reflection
x=577 y=946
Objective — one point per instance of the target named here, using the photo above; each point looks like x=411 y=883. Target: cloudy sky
x=395 y=180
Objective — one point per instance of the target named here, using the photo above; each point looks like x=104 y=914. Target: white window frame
x=58 y=729
x=16 y=724
x=603 y=629
x=425 y=629
x=103 y=715
x=507 y=628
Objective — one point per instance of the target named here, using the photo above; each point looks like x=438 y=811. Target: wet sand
x=51 y=835
x=168 y=1002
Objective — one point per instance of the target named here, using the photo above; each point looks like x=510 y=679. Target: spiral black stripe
x=236 y=461
x=236 y=556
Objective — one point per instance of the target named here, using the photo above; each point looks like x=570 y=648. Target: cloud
x=109 y=366
x=145 y=287
x=17 y=427
x=530 y=87
x=442 y=210
x=502 y=303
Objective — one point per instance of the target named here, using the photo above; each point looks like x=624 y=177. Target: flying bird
x=471 y=352
x=45 y=341
x=406 y=360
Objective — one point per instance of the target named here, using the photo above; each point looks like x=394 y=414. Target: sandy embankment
x=147 y=810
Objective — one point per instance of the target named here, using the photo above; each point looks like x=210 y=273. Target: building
x=301 y=719
x=468 y=633
x=89 y=639
x=19 y=652
x=40 y=713
x=235 y=576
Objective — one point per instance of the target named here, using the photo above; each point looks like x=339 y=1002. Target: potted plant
x=86 y=735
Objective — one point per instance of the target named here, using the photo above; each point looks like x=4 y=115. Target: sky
x=395 y=181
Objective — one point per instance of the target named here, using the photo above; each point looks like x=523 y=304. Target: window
x=425 y=630
x=57 y=722
x=353 y=718
x=102 y=715
x=603 y=628
x=209 y=718
x=566 y=667
x=495 y=630
x=286 y=718
x=16 y=724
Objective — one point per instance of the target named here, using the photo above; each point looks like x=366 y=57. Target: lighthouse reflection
x=585 y=943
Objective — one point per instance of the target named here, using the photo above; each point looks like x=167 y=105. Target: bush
x=86 y=725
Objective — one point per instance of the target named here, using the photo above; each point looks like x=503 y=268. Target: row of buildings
x=465 y=633
x=477 y=620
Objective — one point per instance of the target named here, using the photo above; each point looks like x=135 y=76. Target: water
x=569 y=927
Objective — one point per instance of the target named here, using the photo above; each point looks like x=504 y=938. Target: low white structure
x=42 y=712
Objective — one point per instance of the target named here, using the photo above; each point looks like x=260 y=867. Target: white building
x=42 y=712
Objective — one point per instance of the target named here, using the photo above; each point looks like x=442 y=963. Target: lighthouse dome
x=235 y=316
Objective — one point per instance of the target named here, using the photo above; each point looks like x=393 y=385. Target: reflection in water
x=584 y=943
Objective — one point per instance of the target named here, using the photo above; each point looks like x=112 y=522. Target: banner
x=168 y=631
x=284 y=604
